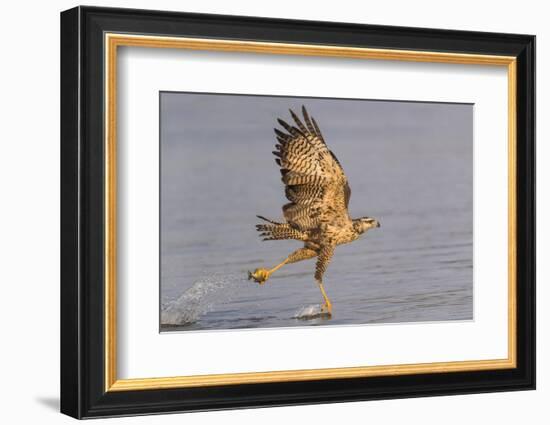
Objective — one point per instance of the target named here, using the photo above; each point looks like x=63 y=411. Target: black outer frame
x=82 y=219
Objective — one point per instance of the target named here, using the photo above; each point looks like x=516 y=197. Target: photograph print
x=279 y=211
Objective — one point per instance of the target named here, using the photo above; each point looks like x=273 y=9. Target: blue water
x=408 y=164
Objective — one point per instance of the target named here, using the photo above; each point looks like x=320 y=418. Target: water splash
x=309 y=312
x=207 y=292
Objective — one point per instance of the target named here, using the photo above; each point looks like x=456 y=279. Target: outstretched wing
x=316 y=185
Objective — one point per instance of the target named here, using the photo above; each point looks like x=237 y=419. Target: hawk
x=319 y=194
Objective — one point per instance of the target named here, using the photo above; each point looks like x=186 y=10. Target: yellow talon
x=259 y=275
x=326 y=308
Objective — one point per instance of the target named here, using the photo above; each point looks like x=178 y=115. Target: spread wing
x=316 y=185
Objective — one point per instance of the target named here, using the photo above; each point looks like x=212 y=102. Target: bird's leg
x=327 y=306
x=324 y=257
x=262 y=274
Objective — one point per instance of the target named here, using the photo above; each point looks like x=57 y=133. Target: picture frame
x=90 y=40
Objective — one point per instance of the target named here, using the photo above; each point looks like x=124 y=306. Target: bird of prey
x=319 y=194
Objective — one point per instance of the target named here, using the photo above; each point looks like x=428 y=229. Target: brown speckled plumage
x=319 y=195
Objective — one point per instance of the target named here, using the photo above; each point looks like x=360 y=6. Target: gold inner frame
x=113 y=41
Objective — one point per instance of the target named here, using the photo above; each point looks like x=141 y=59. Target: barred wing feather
x=316 y=185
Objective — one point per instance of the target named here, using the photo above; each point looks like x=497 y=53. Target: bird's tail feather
x=267 y=219
x=278 y=231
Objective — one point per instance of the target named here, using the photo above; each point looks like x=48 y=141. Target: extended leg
x=325 y=254
x=327 y=306
x=261 y=275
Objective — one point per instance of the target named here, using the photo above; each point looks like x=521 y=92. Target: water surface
x=409 y=165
